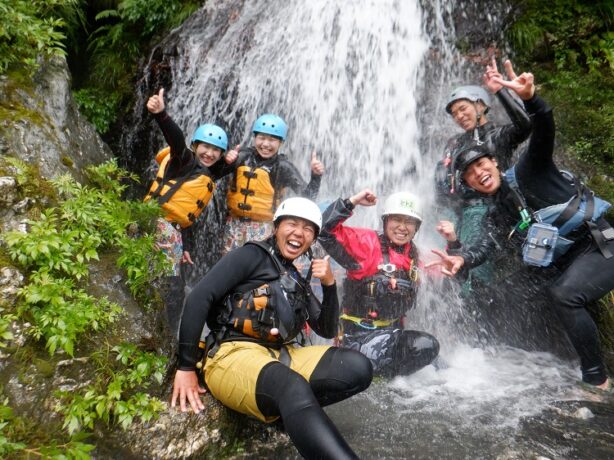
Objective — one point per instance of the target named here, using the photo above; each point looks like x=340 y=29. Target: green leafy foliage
x=140 y=262
x=572 y=33
x=100 y=107
x=12 y=444
x=29 y=29
x=122 y=31
x=61 y=313
x=569 y=46
x=5 y=327
x=7 y=446
x=60 y=245
x=114 y=398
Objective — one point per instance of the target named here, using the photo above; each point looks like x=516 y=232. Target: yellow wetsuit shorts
x=232 y=373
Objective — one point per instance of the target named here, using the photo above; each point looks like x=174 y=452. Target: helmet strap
x=478 y=118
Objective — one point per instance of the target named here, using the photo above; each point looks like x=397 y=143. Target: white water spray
x=350 y=78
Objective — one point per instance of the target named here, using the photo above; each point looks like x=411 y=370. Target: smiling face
x=207 y=154
x=465 y=113
x=400 y=229
x=483 y=175
x=294 y=236
x=267 y=146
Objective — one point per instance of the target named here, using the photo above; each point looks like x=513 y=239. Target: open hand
x=186 y=389
x=450 y=265
x=522 y=84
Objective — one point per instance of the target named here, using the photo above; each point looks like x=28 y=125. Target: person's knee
x=565 y=296
x=281 y=391
x=427 y=345
x=349 y=366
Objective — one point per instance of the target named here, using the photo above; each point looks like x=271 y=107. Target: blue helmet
x=271 y=124
x=211 y=134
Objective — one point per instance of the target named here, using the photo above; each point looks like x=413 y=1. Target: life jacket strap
x=368 y=323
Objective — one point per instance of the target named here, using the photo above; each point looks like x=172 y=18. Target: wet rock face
x=572 y=429
x=10 y=282
x=41 y=124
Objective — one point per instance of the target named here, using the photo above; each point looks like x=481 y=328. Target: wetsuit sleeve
x=290 y=177
x=221 y=168
x=520 y=128
x=541 y=147
x=233 y=269
x=182 y=158
x=324 y=318
x=332 y=232
x=482 y=248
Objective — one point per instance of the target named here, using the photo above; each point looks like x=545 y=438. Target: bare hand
x=232 y=155
x=489 y=77
x=450 y=265
x=155 y=104
x=317 y=167
x=186 y=258
x=186 y=388
x=446 y=229
x=320 y=268
x=522 y=85
x=364 y=198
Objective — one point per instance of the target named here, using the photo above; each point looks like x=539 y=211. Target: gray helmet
x=471 y=93
x=468 y=155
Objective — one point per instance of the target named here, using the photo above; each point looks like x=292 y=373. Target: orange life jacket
x=183 y=199
x=252 y=195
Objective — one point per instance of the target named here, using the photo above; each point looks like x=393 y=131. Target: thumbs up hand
x=317 y=167
x=155 y=104
x=320 y=268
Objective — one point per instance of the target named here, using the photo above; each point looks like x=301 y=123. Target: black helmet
x=468 y=155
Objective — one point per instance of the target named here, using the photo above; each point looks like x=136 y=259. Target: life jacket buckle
x=388 y=268
x=261 y=291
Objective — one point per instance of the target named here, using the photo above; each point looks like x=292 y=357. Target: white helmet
x=403 y=203
x=300 y=207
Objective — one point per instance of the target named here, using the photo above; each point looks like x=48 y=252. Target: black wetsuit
x=469 y=207
x=392 y=349
x=279 y=390
x=585 y=274
x=183 y=162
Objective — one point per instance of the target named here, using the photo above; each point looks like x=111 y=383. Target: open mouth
x=485 y=179
x=294 y=246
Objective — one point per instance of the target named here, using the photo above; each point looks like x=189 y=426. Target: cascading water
x=364 y=84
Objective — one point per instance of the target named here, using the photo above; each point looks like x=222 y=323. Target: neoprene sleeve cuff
x=187 y=356
x=348 y=204
x=161 y=116
x=456 y=244
x=534 y=104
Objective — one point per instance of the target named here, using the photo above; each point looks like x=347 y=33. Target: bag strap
x=574 y=205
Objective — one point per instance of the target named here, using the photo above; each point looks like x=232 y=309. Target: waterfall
x=364 y=83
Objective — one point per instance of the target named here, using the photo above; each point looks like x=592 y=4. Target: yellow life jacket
x=183 y=199
x=252 y=195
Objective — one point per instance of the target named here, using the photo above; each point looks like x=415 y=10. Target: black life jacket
x=272 y=313
x=374 y=297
